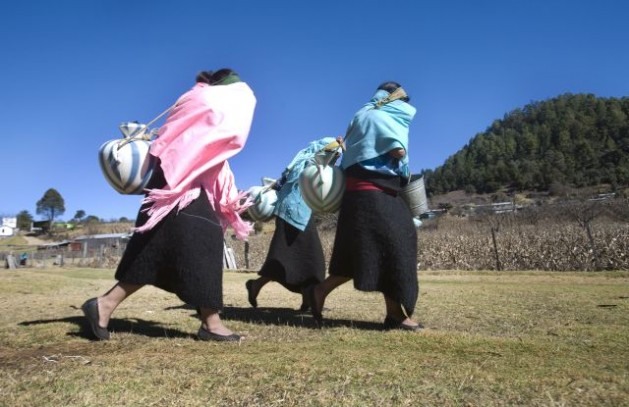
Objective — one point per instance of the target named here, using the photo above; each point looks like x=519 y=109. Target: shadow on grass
x=129 y=325
x=284 y=317
x=260 y=316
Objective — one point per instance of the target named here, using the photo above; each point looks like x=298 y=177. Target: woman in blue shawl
x=376 y=241
x=295 y=257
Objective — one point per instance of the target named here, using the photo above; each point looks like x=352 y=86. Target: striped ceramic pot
x=322 y=187
x=127 y=164
x=264 y=200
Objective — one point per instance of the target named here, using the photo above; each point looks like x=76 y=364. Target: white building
x=6 y=231
x=10 y=221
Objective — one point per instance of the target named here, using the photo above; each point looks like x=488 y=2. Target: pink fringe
x=164 y=201
x=242 y=228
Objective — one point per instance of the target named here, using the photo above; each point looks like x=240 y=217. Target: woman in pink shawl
x=190 y=201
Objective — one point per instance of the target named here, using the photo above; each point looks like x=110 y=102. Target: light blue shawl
x=290 y=206
x=374 y=132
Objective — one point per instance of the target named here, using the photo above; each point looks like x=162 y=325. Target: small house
x=109 y=240
x=10 y=221
x=6 y=231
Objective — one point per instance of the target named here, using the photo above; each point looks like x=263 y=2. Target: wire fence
x=102 y=256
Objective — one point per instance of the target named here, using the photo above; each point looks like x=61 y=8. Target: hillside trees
x=578 y=140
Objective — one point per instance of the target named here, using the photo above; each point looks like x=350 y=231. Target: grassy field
x=491 y=339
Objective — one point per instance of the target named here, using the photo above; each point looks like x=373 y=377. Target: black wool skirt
x=376 y=246
x=295 y=258
x=183 y=254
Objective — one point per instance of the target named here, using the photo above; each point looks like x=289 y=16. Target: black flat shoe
x=390 y=323
x=205 y=335
x=252 y=300
x=90 y=309
x=314 y=307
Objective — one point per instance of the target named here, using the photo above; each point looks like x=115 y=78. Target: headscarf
x=229 y=79
x=207 y=126
x=377 y=129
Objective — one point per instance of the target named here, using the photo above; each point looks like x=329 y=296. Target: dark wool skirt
x=183 y=254
x=295 y=258
x=376 y=246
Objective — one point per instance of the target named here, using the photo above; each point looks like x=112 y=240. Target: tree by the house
x=24 y=220
x=80 y=214
x=92 y=219
x=51 y=205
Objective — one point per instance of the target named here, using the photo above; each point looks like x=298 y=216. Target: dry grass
x=6 y=243
x=492 y=339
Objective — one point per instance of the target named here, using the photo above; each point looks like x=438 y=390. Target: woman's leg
x=110 y=301
x=253 y=289
x=320 y=292
x=98 y=310
x=305 y=303
x=396 y=314
x=211 y=322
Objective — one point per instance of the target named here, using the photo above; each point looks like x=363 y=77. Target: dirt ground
x=34 y=241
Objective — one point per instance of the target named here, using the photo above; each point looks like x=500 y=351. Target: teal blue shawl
x=376 y=131
x=290 y=205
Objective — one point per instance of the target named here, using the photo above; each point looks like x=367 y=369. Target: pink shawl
x=208 y=125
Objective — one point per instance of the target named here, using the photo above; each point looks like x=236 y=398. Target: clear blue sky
x=72 y=70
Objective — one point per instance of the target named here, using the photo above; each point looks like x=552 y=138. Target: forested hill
x=575 y=139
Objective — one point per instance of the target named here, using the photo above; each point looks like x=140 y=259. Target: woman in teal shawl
x=295 y=257
x=376 y=241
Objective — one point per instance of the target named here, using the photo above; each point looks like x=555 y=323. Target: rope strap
x=145 y=134
x=399 y=93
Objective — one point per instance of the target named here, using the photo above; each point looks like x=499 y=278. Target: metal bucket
x=414 y=194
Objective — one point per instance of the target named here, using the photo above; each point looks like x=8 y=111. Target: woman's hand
x=339 y=139
x=397 y=153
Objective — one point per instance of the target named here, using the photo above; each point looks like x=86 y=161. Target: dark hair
x=222 y=74
x=390 y=87
x=205 y=76
x=211 y=77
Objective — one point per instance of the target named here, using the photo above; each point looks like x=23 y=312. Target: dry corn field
x=583 y=238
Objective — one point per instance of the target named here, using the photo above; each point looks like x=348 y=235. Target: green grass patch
x=7 y=243
x=491 y=339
